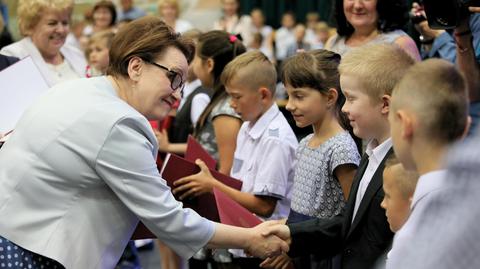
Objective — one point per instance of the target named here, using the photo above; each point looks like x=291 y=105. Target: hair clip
x=233 y=38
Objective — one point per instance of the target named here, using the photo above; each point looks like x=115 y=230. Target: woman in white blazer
x=45 y=26
x=79 y=171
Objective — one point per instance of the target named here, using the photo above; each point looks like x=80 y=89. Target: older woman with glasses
x=79 y=171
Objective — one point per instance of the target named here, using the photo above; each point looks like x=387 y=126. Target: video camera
x=445 y=14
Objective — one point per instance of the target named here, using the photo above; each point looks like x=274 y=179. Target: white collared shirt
x=264 y=159
x=427 y=184
x=376 y=153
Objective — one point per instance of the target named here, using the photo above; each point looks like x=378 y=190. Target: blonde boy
x=266 y=144
x=429 y=113
x=398 y=186
x=360 y=234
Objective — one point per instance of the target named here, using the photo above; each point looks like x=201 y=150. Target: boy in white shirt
x=423 y=128
x=265 y=150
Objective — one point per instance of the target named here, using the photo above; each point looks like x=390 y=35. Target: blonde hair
x=31 y=11
x=253 y=69
x=437 y=93
x=404 y=180
x=378 y=67
x=106 y=36
x=174 y=3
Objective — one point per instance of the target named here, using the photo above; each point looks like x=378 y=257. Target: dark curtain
x=274 y=9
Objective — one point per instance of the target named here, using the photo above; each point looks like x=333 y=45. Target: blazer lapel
x=373 y=187
x=353 y=193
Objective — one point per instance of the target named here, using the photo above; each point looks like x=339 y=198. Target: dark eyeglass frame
x=175 y=78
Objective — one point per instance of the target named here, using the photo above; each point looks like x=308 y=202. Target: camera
x=447 y=14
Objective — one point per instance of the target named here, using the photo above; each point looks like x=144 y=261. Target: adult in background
x=361 y=22
x=45 y=26
x=234 y=23
x=169 y=11
x=104 y=16
x=79 y=170
x=129 y=11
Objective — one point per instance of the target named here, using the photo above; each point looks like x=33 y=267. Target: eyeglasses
x=175 y=78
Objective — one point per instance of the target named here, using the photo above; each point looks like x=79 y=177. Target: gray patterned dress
x=316 y=191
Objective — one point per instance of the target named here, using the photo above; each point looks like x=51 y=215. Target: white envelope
x=20 y=85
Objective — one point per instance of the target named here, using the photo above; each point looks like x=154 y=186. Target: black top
x=182 y=124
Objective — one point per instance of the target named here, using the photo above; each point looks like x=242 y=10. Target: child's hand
x=163 y=140
x=197 y=184
x=280 y=262
x=474 y=9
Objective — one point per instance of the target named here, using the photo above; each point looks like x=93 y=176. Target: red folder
x=196 y=151
x=232 y=213
x=177 y=167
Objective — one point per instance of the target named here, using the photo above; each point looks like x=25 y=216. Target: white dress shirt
x=376 y=153
x=427 y=185
x=264 y=159
x=79 y=172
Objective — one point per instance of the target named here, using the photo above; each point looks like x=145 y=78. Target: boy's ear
x=265 y=93
x=406 y=123
x=134 y=69
x=386 y=101
x=332 y=96
x=210 y=65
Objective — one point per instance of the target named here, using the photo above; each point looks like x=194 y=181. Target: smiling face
x=361 y=13
x=50 y=32
x=153 y=95
x=363 y=113
x=308 y=106
x=102 y=17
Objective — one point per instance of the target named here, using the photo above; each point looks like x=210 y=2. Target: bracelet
x=466 y=32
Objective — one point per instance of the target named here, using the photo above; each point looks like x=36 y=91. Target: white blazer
x=25 y=47
x=79 y=172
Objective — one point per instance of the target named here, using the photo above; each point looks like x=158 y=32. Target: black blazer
x=354 y=245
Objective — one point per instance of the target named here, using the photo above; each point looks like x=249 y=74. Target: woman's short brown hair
x=108 y=5
x=31 y=11
x=146 y=38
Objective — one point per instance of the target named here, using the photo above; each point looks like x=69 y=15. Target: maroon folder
x=177 y=167
x=232 y=213
x=196 y=151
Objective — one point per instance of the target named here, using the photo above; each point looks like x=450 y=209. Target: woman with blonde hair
x=45 y=26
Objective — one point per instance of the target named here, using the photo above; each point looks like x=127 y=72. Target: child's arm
x=226 y=129
x=345 y=173
x=164 y=144
x=204 y=182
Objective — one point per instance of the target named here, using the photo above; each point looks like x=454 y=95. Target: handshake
x=270 y=240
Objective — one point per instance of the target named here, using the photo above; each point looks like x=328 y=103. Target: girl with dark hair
x=217 y=127
x=327 y=160
x=371 y=21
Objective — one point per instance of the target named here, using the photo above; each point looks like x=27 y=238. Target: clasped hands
x=270 y=240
